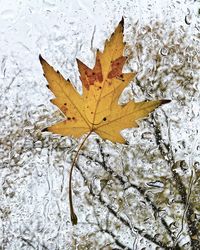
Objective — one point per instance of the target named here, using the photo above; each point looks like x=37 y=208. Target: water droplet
x=188 y=17
x=28 y=144
x=164 y=51
x=156 y=184
x=146 y=135
x=183 y=166
x=88 y=163
x=38 y=144
x=39 y=174
x=7 y=14
x=96 y=186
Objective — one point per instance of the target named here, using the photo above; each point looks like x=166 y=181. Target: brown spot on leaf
x=89 y=76
x=64 y=109
x=117 y=66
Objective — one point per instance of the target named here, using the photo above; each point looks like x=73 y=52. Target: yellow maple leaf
x=97 y=110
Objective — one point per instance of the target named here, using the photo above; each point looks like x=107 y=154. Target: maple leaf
x=97 y=110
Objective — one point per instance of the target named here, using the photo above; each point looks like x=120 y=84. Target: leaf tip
x=165 y=101
x=45 y=130
x=41 y=58
x=122 y=22
x=77 y=60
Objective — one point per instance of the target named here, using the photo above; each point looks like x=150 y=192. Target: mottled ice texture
x=141 y=195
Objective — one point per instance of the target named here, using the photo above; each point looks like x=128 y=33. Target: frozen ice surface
x=126 y=196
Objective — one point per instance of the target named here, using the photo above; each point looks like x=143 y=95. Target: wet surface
x=141 y=195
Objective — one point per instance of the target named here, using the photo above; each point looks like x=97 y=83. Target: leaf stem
x=73 y=216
